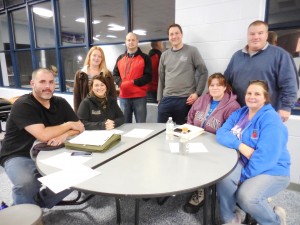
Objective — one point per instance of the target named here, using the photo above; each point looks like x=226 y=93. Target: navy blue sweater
x=274 y=65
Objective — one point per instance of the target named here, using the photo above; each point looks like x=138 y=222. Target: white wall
x=217 y=27
x=293 y=125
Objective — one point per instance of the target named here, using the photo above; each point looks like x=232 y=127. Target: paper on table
x=174 y=147
x=196 y=148
x=92 y=137
x=115 y=131
x=194 y=131
x=65 y=160
x=138 y=133
x=67 y=178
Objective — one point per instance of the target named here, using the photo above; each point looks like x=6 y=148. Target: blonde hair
x=102 y=66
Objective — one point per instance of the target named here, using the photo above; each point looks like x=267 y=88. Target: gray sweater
x=177 y=73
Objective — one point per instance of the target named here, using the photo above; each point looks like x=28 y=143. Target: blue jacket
x=268 y=136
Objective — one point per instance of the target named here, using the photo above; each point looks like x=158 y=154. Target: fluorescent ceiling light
x=111 y=36
x=96 y=39
x=96 y=21
x=45 y=13
x=140 y=32
x=115 y=27
x=82 y=20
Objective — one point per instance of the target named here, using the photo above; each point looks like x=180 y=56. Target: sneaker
x=237 y=217
x=195 y=203
x=280 y=212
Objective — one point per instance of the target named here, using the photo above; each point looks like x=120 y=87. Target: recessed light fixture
x=115 y=27
x=45 y=13
x=140 y=32
x=82 y=20
x=111 y=36
x=96 y=21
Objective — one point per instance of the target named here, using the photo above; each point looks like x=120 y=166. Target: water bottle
x=3 y=205
x=183 y=139
x=170 y=126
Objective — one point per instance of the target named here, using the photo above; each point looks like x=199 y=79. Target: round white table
x=151 y=169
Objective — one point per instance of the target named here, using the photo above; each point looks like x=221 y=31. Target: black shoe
x=162 y=200
x=39 y=200
x=195 y=203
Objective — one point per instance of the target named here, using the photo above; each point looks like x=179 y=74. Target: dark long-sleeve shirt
x=93 y=115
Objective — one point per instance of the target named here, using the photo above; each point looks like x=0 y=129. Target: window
x=24 y=64
x=9 y=3
x=72 y=20
x=3 y=31
x=108 y=21
x=21 y=31
x=283 y=17
x=151 y=19
x=43 y=21
x=7 y=70
x=79 y=25
x=282 y=13
x=73 y=59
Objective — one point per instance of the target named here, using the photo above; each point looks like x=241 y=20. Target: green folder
x=113 y=140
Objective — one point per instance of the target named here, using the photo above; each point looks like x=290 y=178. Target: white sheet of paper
x=65 y=160
x=92 y=137
x=174 y=147
x=115 y=131
x=67 y=178
x=138 y=133
x=196 y=147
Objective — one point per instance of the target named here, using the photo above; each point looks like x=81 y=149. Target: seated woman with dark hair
x=100 y=111
x=256 y=131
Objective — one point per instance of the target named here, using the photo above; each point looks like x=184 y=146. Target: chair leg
x=76 y=200
x=249 y=220
x=162 y=200
x=118 y=210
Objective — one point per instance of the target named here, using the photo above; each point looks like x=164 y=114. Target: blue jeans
x=138 y=106
x=23 y=174
x=175 y=107
x=252 y=196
